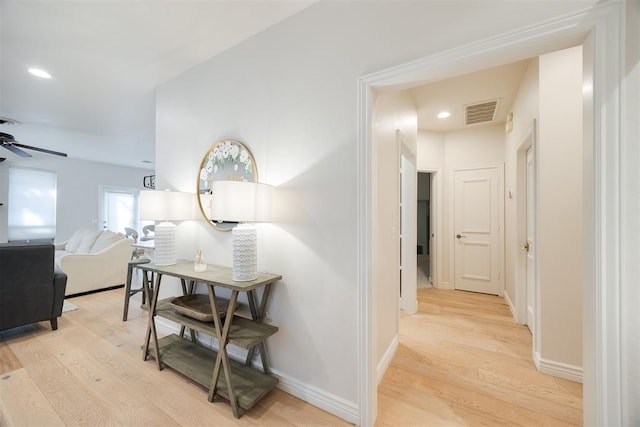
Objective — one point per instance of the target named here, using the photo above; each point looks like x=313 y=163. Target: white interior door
x=530 y=244
x=477 y=218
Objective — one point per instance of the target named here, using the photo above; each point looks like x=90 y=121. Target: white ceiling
x=107 y=58
x=453 y=94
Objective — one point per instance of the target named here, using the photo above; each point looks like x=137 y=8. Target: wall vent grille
x=481 y=112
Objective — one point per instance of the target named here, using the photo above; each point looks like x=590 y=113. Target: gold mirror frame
x=226 y=160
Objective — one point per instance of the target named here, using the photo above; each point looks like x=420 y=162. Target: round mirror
x=226 y=160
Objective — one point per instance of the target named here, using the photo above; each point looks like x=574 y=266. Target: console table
x=239 y=383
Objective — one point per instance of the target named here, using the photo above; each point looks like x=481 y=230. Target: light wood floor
x=463 y=361
x=90 y=373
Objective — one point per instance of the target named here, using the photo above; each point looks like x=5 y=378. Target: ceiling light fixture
x=443 y=114
x=39 y=73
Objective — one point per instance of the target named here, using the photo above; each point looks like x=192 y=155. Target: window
x=120 y=209
x=32 y=205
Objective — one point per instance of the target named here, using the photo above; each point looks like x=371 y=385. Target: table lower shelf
x=244 y=333
x=196 y=362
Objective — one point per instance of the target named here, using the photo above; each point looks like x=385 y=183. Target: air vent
x=482 y=112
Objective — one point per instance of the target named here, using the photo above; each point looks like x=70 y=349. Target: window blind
x=31 y=205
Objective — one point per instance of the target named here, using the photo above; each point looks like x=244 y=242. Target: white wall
x=430 y=150
x=525 y=110
x=560 y=209
x=290 y=93
x=79 y=184
x=468 y=148
x=551 y=90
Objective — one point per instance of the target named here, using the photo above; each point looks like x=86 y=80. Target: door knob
x=459 y=236
x=526 y=246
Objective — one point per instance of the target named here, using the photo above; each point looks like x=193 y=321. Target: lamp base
x=245 y=253
x=164 y=252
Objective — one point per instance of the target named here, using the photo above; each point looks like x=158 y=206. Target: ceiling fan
x=9 y=142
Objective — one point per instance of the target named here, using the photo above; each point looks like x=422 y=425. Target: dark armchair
x=30 y=289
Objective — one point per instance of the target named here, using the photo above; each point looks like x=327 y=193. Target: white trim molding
x=557 y=369
x=510 y=304
x=329 y=402
x=445 y=285
x=384 y=363
x=602 y=315
x=367 y=388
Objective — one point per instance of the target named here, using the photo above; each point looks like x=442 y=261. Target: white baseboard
x=558 y=369
x=444 y=285
x=331 y=403
x=322 y=399
x=386 y=359
x=511 y=307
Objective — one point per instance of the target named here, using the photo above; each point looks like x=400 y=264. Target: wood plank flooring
x=462 y=360
x=90 y=372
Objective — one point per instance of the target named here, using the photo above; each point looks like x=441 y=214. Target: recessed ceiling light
x=39 y=73
x=443 y=114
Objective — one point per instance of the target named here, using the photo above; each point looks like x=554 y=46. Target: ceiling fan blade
x=44 y=150
x=16 y=150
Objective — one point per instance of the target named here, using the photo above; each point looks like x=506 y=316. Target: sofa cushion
x=88 y=240
x=75 y=240
x=58 y=257
x=106 y=239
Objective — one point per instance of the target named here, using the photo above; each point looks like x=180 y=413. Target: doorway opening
x=426 y=231
x=604 y=46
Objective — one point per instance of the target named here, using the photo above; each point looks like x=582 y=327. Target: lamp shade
x=241 y=201
x=166 y=205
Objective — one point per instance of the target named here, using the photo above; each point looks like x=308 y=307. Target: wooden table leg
x=190 y=288
x=146 y=288
x=145 y=350
x=187 y=289
x=222 y=360
x=259 y=314
x=251 y=297
x=151 y=326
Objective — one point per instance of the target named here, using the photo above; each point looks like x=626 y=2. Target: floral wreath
x=224 y=154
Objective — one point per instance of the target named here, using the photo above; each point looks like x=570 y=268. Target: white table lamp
x=166 y=206
x=246 y=203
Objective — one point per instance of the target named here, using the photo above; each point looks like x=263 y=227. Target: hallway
x=462 y=360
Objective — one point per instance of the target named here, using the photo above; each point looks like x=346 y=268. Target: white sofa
x=93 y=260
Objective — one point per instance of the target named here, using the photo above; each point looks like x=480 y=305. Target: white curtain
x=32 y=204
